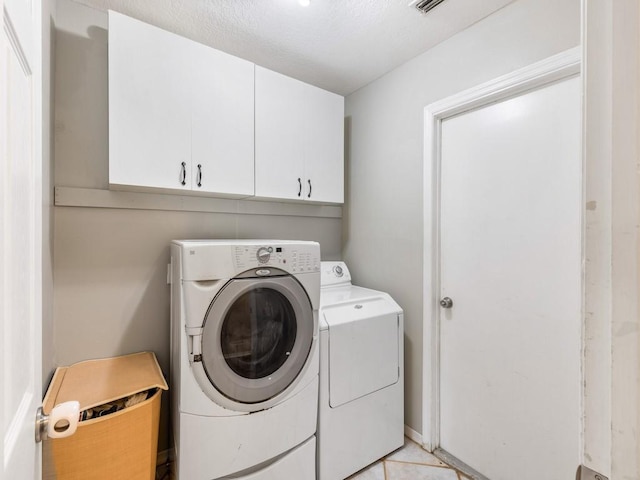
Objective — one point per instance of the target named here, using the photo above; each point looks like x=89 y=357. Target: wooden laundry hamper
x=122 y=445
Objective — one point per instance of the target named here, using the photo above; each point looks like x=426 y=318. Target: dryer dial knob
x=263 y=255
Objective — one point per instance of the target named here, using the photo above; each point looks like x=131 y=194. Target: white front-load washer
x=244 y=358
x=361 y=409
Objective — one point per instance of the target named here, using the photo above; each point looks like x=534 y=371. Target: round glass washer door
x=256 y=337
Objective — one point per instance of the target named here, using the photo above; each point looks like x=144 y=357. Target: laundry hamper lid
x=95 y=382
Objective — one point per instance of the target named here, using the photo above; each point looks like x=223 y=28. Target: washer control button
x=263 y=255
x=338 y=271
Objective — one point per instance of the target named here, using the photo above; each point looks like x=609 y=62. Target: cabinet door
x=324 y=145
x=149 y=107
x=222 y=122
x=279 y=140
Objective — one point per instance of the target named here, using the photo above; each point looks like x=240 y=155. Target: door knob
x=446 y=302
x=62 y=422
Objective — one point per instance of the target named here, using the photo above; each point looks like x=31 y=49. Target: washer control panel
x=293 y=258
x=264 y=254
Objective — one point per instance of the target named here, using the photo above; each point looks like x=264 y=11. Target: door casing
x=552 y=69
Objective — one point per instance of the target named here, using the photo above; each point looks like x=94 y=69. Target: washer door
x=256 y=337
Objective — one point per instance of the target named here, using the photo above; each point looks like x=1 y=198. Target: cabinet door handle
x=199 y=177
x=299 y=187
x=309 y=196
x=183 y=173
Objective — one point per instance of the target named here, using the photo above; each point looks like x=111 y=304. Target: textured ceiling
x=339 y=45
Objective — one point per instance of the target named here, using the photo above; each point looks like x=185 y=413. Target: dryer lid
x=348 y=294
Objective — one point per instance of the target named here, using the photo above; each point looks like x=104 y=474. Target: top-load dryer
x=361 y=409
x=244 y=358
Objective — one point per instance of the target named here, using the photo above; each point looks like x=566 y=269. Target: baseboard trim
x=413 y=435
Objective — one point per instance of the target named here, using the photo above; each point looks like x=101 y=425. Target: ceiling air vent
x=425 y=5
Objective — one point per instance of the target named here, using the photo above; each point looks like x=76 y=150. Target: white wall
x=110 y=290
x=382 y=236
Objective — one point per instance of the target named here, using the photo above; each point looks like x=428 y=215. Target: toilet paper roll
x=63 y=420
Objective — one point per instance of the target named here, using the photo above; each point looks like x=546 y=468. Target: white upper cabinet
x=324 y=145
x=299 y=149
x=279 y=145
x=180 y=113
x=149 y=106
x=182 y=116
x=222 y=123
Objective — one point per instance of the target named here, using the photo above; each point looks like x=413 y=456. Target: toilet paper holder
x=61 y=423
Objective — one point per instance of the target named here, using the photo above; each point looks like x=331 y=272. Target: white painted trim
x=612 y=390
x=546 y=71
x=431 y=282
x=97 y=198
x=15 y=43
x=552 y=69
x=17 y=421
x=411 y=434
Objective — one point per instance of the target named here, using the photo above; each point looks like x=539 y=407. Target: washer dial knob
x=338 y=271
x=263 y=255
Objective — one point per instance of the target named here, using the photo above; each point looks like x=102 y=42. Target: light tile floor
x=410 y=462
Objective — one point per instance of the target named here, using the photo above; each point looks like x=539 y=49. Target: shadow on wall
x=48 y=351
x=82 y=109
x=145 y=317
x=346 y=211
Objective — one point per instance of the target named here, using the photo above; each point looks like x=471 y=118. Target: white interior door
x=20 y=237
x=510 y=243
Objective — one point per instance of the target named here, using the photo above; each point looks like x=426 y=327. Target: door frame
x=558 y=67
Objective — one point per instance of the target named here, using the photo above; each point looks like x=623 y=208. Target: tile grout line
x=422 y=464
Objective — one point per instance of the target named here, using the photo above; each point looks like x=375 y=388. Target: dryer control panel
x=293 y=258
x=334 y=273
